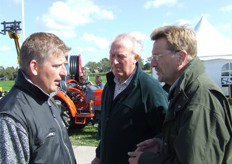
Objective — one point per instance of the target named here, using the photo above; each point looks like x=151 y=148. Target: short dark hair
x=40 y=47
x=178 y=38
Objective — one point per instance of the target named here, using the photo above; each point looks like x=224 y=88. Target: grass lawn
x=87 y=136
x=6 y=85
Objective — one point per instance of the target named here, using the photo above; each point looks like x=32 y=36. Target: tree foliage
x=141 y=62
x=8 y=73
x=91 y=66
x=147 y=66
x=104 y=65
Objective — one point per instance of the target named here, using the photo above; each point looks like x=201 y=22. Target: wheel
x=65 y=114
x=96 y=117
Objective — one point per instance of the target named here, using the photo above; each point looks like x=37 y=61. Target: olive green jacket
x=197 y=127
x=136 y=114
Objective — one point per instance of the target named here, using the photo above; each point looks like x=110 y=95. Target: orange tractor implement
x=80 y=103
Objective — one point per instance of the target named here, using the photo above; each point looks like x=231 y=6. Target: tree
x=141 y=62
x=9 y=73
x=2 y=71
x=104 y=65
x=149 y=59
x=147 y=66
x=91 y=66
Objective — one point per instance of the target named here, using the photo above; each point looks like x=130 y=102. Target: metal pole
x=23 y=27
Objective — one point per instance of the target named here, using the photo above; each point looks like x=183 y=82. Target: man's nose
x=63 y=71
x=153 y=62
x=115 y=60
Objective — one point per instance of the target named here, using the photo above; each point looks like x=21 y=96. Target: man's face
x=97 y=81
x=51 y=72
x=122 y=60
x=167 y=63
x=82 y=80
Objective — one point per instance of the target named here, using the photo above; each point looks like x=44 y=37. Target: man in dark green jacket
x=133 y=104
x=197 y=128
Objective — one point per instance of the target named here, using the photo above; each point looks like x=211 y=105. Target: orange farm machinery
x=80 y=103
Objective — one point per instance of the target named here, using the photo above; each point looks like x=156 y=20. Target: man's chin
x=54 y=89
x=117 y=74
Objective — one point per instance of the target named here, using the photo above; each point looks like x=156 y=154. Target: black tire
x=65 y=114
x=74 y=67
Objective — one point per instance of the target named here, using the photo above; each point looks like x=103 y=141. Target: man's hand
x=96 y=160
x=150 y=145
x=134 y=157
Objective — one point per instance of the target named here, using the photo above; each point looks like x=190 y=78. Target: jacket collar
x=22 y=82
x=194 y=69
x=180 y=96
x=110 y=80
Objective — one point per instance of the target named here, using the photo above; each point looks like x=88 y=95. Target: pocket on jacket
x=44 y=137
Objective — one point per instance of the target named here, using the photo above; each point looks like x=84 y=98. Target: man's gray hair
x=137 y=44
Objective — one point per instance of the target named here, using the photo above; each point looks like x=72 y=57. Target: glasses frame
x=157 y=57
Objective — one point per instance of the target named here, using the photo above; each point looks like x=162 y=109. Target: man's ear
x=136 y=58
x=182 y=57
x=34 y=67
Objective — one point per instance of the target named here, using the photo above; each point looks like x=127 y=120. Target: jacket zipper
x=60 y=132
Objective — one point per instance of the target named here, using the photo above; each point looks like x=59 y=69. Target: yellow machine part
x=16 y=37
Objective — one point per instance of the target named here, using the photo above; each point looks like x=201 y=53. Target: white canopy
x=211 y=43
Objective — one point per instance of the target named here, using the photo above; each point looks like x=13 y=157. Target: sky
x=89 y=26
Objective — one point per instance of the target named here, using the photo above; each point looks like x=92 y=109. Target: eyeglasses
x=157 y=57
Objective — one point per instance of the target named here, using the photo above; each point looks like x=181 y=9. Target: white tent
x=215 y=51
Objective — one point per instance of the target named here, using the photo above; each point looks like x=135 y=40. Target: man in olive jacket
x=197 y=128
x=133 y=104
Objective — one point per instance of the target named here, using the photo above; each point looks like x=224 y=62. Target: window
x=226 y=74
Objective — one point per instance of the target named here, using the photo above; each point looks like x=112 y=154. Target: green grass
x=6 y=85
x=92 y=79
x=87 y=136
